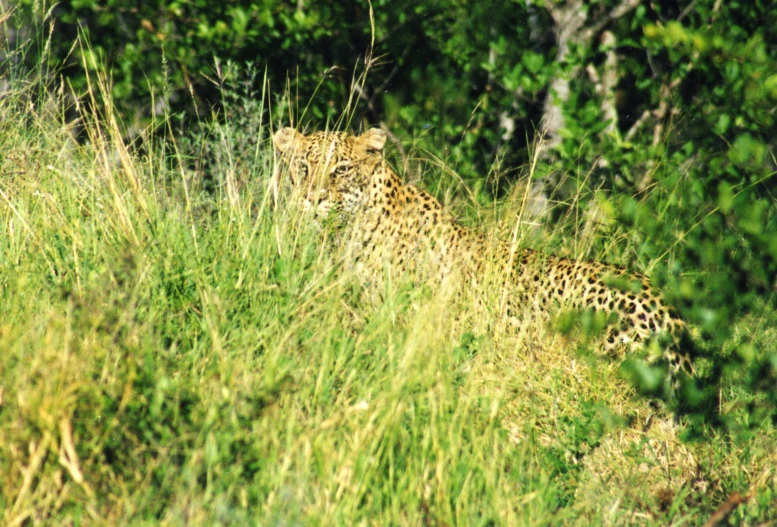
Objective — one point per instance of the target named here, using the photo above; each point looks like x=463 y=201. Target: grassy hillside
x=171 y=355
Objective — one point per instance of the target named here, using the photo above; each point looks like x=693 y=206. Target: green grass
x=179 y=357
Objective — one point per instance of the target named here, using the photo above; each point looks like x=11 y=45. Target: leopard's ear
x=373 y=139
x=285 y=138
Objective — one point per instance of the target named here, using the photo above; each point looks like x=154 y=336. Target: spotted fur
x=388 y=221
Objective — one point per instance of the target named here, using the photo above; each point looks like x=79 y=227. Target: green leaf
x=533 y=61
x=747 y=151
x=725 y=197
x=770 y=84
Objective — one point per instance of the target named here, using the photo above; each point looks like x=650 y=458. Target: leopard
x=346 y=176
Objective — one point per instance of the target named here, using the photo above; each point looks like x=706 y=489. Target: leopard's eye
x=340 y=170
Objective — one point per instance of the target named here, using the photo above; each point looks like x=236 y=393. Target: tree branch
x=617 y=12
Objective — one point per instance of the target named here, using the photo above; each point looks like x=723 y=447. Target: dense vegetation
x=177 y=346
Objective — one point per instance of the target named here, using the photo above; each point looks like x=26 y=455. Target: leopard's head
x=331 y=169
